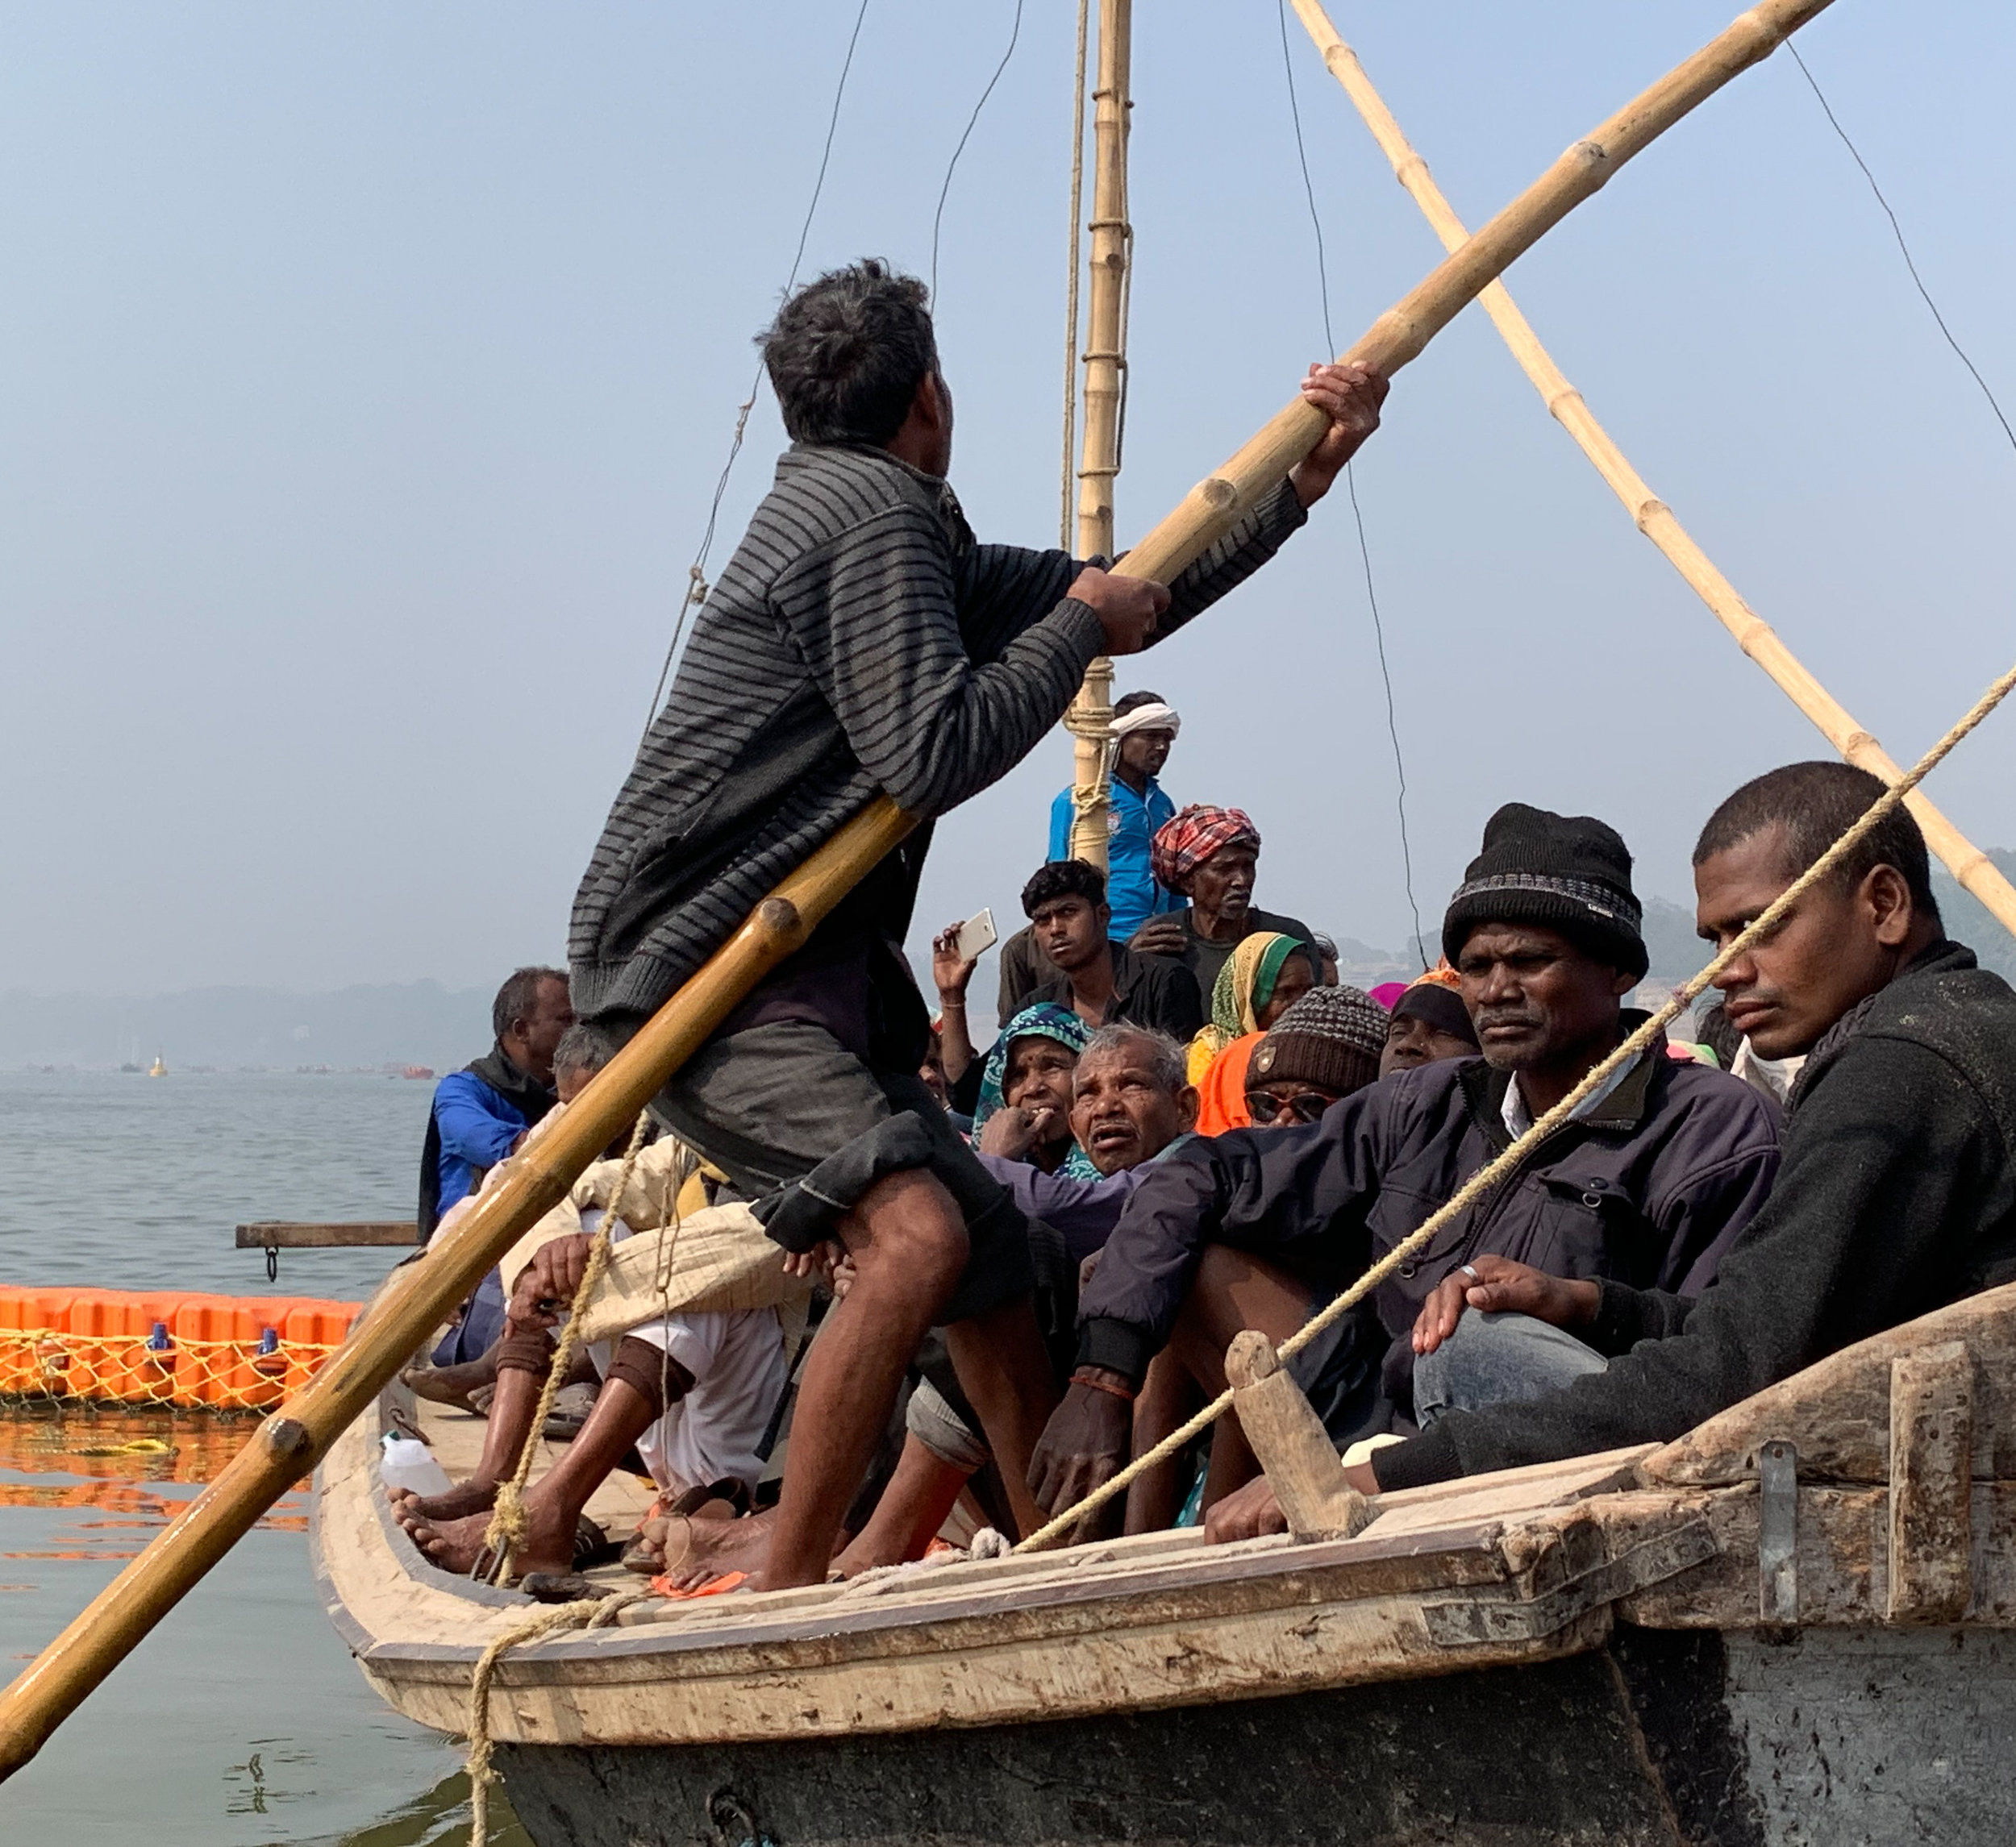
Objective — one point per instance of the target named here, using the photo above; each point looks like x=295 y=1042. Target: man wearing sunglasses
x=1323 y=1048
x=1654 y=1177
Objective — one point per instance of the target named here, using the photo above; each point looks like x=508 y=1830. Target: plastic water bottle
x=408 y=1463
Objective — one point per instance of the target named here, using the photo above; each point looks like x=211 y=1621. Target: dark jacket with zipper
x=1650 y=1188
x=1897 y=1196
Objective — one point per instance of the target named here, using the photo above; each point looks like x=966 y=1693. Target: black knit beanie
x=1331 y=1038
x=1568 y=871
x=1441 y=1007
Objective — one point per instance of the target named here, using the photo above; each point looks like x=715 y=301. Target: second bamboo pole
x=1090 y=719
x=1967 y=864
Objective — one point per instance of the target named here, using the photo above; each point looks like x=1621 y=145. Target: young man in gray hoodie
x=860 y=643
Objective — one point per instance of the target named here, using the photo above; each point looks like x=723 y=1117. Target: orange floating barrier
x=226 y=1353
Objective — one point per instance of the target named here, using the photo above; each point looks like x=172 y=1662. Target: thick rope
x=506 y=1530
x=589 y=1613
x=1480 y=1182
x=1066 y=530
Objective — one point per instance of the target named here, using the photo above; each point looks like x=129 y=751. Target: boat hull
x=1866 y=1736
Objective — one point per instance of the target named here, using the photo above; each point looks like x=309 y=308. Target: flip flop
x=714 y=1587
x=648 y=1558
x=593 y=1546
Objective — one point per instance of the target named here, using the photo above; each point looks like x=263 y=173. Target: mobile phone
x=976 y=935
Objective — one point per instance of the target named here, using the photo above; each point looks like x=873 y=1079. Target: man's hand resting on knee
x=1086 y=1441
x=1497 y=1285
x=549 y=1282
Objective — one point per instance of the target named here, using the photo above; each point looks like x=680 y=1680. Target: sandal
x=593 y=1546
x=646 y=1553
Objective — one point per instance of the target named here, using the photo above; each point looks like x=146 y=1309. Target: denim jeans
x=1497 y=1360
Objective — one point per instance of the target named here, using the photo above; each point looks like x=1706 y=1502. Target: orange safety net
x=219 y=1353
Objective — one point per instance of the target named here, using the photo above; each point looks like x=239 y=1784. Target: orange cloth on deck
x=1221 y=1090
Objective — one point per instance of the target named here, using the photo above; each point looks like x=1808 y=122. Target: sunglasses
x=1307 y=1106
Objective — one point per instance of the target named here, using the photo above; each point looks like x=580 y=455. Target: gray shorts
x=803 y=1129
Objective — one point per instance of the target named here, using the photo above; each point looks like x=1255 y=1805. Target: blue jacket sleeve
x=1061 y=826
x=1082 y=1211
x=477 y=1125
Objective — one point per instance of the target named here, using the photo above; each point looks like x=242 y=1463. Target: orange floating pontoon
x=222 y=1353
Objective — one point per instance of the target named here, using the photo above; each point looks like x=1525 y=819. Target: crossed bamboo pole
x=1972 y=867
x=297 y=1436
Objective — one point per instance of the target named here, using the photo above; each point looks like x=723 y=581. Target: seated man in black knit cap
x=1660 y=1169
x=1898 y=1194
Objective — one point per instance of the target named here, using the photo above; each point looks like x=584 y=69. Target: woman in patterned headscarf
x=1024 y=1072
x=1265 y=975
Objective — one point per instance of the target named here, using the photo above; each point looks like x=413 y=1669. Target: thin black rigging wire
x=696 y=575
x=1897 y=230
x=937 y=218
x=1351 y=484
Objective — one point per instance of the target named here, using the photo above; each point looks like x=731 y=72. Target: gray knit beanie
x=1331 y=1038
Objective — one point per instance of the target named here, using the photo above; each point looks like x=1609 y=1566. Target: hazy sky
x=366 y=370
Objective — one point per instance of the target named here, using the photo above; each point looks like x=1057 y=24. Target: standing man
x=860 y=643
x=482 y=1113
x=1210 y=856
x=1144 y=729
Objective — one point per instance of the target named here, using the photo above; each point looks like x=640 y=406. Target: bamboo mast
x=1969 y=864
x=296 y=1437
x=1090 y=718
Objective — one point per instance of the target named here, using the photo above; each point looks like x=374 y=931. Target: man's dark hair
x=1816 y=804
x=1126 y=702
x=518 y=997
x=847 y=353
x=581 y=1048
x=1063 y=879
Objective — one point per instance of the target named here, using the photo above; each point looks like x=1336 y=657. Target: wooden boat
x=1790 y=1626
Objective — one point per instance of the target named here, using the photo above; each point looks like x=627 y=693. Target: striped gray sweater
x=858 y=642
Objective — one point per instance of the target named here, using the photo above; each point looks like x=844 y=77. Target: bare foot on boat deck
x=451 y=1384
x=461 y=1500
x=455 y=1545
x=714 y=1548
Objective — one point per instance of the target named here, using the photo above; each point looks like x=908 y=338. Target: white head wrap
x=1148 y=718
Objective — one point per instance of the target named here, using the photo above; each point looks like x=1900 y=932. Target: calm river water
x=243 y=1720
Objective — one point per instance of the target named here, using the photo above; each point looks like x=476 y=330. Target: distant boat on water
x=159 y=1068
x=416 y=1070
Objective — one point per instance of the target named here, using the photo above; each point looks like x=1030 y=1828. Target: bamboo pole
x=299 y=1433
x=1972 y=867
x=1090 y=719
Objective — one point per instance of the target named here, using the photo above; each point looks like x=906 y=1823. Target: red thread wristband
x=1101 y=1385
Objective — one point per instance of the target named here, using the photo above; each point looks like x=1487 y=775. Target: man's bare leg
x=909 y=1245
x=919 y=1496
x=1169 y=1395
x=553 y=1503
x=1233 y=1290
x=510 y=1422
x=1007 y=1377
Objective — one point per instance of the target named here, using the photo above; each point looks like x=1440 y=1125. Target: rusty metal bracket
x=1470 y=1622
x=1778 y=1534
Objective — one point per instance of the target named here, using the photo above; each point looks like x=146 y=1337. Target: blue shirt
x=1130 y=887
x=478 y=1128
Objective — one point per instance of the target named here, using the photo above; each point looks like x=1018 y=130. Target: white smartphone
x=976 y=935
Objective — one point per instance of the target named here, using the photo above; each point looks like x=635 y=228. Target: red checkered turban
x=1181 y=845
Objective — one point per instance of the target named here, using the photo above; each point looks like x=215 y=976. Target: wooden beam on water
x=305 y=1234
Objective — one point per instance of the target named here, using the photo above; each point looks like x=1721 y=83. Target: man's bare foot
x=714 y=1548
x=451 y=1384
x=455 y=1545
x=464 y=1498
